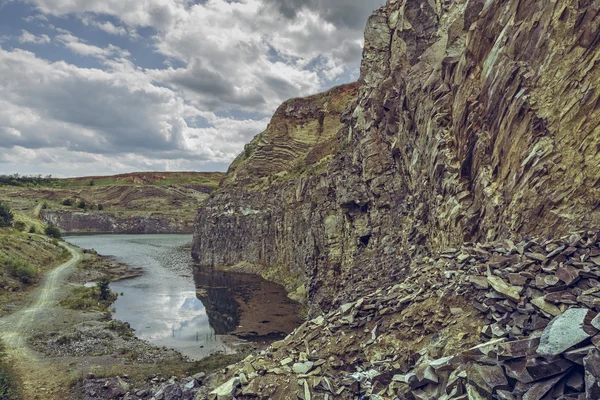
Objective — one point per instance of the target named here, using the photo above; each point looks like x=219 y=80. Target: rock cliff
x=474 y=121
x=104 y=222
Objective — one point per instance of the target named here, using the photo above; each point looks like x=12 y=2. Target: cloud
x=224 y=59
x=342 y=13
x=27 y=37
x=78 y=46
x=113 y=113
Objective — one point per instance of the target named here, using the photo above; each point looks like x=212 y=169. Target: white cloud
x=225 y=57
x=80 y=47
x=50 y=109
x=27 y=37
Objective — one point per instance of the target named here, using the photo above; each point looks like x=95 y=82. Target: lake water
x=163 y=305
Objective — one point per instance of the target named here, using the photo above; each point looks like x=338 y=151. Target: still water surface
x=161 y=305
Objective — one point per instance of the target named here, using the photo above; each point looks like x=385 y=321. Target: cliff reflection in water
x=213 y=290
x=245 y=305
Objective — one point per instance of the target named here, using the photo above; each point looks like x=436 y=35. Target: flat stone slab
x=564 y=332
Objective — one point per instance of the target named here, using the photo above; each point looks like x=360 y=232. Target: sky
x=95 y=87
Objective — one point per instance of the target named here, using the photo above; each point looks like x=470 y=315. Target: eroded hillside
x=130 y=203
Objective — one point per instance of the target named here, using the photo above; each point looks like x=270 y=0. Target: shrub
x=20 y=226
x=53 y=232
x=81 y=204
x=6 y=216
x=20 y=270
x=45 y=206
x=100 y=207
x=67 y=202
x=91 y=183
x=32 y=229
x=104 y=289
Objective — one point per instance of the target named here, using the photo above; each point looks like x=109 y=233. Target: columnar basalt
x=474 y=121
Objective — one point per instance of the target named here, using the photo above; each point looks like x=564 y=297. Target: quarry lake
x=187 y=307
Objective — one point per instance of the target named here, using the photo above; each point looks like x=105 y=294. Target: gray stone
x=302 y=368
x=564 y=332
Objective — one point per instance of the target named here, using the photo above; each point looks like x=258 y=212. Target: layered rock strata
x=474 y=121
x=106 y=222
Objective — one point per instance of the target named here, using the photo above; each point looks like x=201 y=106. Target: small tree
x=53 y=232
x=91 y=183
x=100 y=207
x=102 y=284
x=81 y=204
x=32 y=229
x=45 y=206
x=6 y=216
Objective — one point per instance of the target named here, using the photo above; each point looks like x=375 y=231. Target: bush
x=32 y=229
x=53 y=232
x=20 y=226
x=67 y=202
x=6 y=216
x=104 y=289
x=45 y=206
x=81 y=204
x=20 y=270
x=100 y=207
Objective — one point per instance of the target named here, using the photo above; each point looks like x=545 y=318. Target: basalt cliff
x=473 y=121
x=449 y=198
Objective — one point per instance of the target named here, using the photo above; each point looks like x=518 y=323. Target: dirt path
x=40 y=379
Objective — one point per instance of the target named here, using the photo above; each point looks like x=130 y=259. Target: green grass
x=21 y=270
x=87 y=298
x=9 y=389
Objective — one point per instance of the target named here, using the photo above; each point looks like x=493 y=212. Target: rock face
x=103 y=222
x=474 y=121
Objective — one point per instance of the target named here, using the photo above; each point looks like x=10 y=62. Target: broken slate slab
x=487 y=377
x=591 y=364
x=508 y=291
x=539 y=389
x=564 y=332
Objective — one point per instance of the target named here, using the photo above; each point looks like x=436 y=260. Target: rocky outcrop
x=474 y=121
x=103 y=222
x=503 y=320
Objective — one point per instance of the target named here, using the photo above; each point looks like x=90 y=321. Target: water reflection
x=161 y=305
x=245 y=305
x=186 y=307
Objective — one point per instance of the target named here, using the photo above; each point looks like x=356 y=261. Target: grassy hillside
x=173 y=196
x=23 y=259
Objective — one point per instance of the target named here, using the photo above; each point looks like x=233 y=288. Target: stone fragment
x=564 y=332
x=302 y=368
x=543 y=305
x=225 y=391
x=517 y=348
x=505 y=395
x=517 y=279
x=479 y=282
x=591 y=365
x=577 y=355
x=486 y=377
x=510 y=292
x=596 y=322
x=567 y=274
x=473 y=393
x=539 y=389
x=575 y=381
x=533 y=369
